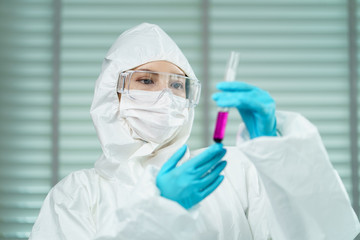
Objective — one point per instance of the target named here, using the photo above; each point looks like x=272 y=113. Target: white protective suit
x=274 y=188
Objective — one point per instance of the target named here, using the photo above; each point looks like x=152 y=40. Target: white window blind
x=296 y=50
x=358 y=81
x=25 y=116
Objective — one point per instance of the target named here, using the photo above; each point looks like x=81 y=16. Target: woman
x=277 y=183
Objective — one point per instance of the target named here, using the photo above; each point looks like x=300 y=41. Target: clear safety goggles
x=158 y=82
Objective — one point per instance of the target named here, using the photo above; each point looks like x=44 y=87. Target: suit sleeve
x=306 y=198
x=147 y=215
x=66 y=212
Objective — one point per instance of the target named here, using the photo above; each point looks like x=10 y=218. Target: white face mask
x=158 y=122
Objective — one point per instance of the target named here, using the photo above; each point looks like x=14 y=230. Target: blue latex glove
x=256 y=106
x=195 y=179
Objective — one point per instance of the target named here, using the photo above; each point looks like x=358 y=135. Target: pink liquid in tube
x=223 y=112
x=220 y=126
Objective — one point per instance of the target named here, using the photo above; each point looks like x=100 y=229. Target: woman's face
x=159 y=66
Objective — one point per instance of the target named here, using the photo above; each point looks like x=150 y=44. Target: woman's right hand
x=194 y=180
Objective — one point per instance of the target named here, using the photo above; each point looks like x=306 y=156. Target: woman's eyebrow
x=145 y=69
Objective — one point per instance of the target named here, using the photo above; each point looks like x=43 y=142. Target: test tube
x=223 y=113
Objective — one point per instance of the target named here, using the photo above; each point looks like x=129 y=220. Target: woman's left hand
x=256 y=106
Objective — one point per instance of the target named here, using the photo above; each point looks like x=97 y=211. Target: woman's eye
x=146 y=81
x=177 y=85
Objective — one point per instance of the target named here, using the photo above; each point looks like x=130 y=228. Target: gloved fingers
x=243 y=96
x=175 y=158
x=236 y=99
x=212 y=175
x=252 y=100
x=206 y=156
x=206 y=191
x=235 y=86
x=212 y=163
